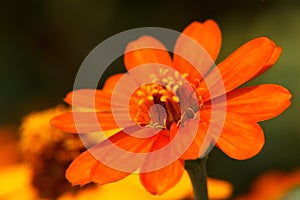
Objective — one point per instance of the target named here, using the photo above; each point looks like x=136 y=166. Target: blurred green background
x=43 y=42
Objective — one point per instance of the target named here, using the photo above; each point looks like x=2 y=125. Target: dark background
x=43 y=42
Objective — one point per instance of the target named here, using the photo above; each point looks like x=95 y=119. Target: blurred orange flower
x=274 y=185
x=47 y=151
x=129 y=188
x=241 y=136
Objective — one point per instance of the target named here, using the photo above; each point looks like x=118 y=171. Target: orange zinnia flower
x=240 y=138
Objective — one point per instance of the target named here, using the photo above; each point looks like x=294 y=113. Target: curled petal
x=271 y=62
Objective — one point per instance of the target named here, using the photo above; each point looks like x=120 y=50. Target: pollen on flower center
x=172 y=80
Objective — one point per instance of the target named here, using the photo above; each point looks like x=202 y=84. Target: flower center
x=160 y=105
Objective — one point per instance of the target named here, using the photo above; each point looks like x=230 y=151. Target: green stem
x=197 y=172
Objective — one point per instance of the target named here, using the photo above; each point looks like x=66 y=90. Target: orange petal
x=111 y=82
x=240 y=138
x=114 y=151
x=198 y=46
x=97 y=100
x=146 y=50
x=207 y=34
x=240 y=66
x=160 y=181
x=86 y=122
x=271 y=62
x=134 y=139
x=90 y=99
x=159 y=150
x=103 y=174
x=258 y=103
x=197 y=147
x=113 y=154
x=78 y=173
